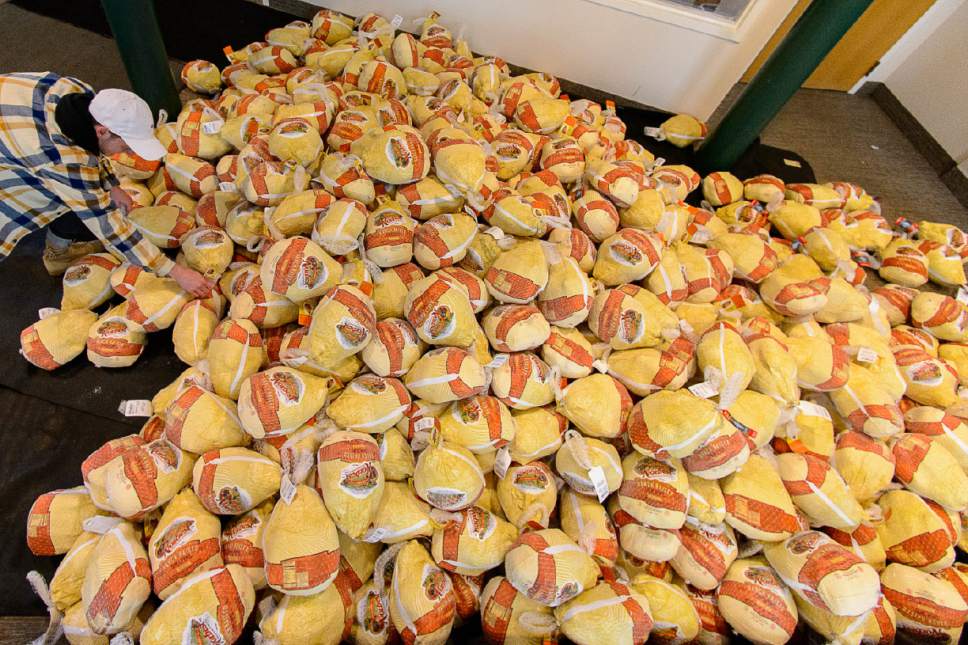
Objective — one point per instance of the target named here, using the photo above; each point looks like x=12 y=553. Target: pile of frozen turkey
x=473 y=359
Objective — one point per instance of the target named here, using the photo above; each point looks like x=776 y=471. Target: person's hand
x=122 y=199
x=192 y=281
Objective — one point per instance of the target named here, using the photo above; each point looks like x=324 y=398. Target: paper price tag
x=704 y=390
x=228 y=187
x=135 y=408
x=597 y=475
x=813 y=409
x=962 y=295
x=502 y=462
x=866 y=355
x=427 y=423
x=47 y=312
x=212 y=127
x=397 y=21
x=287 y=490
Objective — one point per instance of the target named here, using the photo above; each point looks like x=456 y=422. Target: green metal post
x=142 y=49
x=821 y=27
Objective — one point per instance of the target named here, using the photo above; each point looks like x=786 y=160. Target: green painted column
x=135 y=29
x=821 y=27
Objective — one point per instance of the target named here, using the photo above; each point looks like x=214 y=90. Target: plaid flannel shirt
x=43 y=175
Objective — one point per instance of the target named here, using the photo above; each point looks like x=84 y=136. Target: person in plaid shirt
x=54 y=133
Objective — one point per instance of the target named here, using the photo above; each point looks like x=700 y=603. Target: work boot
x=57 y=259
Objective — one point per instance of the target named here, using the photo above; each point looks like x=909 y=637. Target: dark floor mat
x=25 y=287
x=41 y=449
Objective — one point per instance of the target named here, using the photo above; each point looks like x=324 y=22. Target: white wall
x=927 y=69
x=601 y=46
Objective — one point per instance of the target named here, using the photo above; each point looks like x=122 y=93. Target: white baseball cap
x=127 y=115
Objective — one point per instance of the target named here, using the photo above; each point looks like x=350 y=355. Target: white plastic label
x=228 y=187
x=597 y=475
x=212 y=127
x=287 y=490
x=47 y=312
x=296 y=361
x=397 y=21
x=424 y=424
x=135 y=408
x=866 y=355
x=962 y=295
x=498 y=361
x=495 y=232
x=813 y=409
x=502 y=462
x=100 y=524
x=704 y=390
x=375 y=535
x=701 y=236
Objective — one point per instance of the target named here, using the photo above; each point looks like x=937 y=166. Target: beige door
x=884 y=22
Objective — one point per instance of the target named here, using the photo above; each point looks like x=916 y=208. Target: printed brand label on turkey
x=202 y=629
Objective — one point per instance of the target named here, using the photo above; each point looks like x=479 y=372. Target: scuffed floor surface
x=849 y=138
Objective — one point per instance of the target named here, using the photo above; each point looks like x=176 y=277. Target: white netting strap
x=443 y=518
x=601 y=363
x=54 y=628
x=537 y=623
x=775 y=203
x=730 y=390
x=554 y=376
x=579 y=449
x=536 y=511
x=380 y=566
x=270 y=225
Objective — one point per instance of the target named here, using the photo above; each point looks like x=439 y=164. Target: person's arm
x=81 y=190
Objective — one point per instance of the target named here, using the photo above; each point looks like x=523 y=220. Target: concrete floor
x=849 y=138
